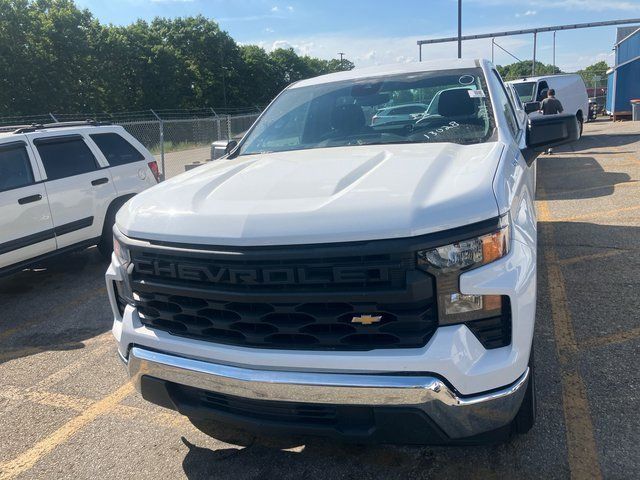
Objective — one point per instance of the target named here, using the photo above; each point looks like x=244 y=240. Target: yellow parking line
x=592 y=215
x=60 y=347
x=610 y=339
x=581 y=444
x=25 y=461
x=592 y=256
x=57 y=309
x=157 y=415
x=50 y=399
x=103 y=345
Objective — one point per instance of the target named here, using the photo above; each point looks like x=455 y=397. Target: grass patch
x=170 y=147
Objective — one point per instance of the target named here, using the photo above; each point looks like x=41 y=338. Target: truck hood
x=320 y=195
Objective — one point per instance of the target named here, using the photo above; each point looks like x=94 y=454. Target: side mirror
x=531 y=107
x=548 y=131
x=230 y=146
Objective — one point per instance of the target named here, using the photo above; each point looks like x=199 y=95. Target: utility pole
x=535 y=45
x=341 y=55
x=459 y=28
x=554 y=52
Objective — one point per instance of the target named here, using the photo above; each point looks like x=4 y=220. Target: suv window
x=504 y=102
x=65 y=156
x=116 y=149
x=15 y=167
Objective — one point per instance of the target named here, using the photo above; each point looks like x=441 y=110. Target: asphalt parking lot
x=67 y=410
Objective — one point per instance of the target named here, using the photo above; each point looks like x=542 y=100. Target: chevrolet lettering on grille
x=261 y=276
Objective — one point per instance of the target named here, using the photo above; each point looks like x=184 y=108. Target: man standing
x=551 y=106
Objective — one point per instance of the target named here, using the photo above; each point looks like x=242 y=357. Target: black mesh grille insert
x=290 y=325
x=332 y=297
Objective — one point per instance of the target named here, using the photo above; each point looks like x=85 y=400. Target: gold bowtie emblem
x=366 y=319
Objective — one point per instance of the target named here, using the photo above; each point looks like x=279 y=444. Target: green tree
x=523 y=69
x=57 y=57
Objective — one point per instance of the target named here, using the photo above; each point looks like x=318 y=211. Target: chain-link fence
x=177 y=143
x=176 y=138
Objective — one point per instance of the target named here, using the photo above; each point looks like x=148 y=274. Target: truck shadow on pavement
x=55 y=305
x=572 y=178
x=608 y=140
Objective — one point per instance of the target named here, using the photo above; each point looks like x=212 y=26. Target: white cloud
x=269 y=30
x=275 y=9
x=171 y=1
x=366 y=51
x=528 y=13
x=572 y=63
x=290 y=8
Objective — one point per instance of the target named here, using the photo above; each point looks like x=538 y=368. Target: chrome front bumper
x=457 y=416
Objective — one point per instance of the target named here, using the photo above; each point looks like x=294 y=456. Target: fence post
x=228 y=127
x=161 y=126
x=217 y=120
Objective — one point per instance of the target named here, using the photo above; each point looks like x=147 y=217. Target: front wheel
x=526 y=416
x=105 y=246
x=580 y=124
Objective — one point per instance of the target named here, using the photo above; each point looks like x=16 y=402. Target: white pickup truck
x=334 y=276
x=61 y=185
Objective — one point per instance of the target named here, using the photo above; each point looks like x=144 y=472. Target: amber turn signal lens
x=494 y=246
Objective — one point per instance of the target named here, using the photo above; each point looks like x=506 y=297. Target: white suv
x=61 y=186
x=333 y=277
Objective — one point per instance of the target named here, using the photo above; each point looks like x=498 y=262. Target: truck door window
x=15 y=166
x=65 y=156
x=116 y=149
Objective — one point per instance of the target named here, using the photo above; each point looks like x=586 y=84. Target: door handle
x=99 y=181
x=30 y=199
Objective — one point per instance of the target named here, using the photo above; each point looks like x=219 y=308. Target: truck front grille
x=336 y=297
x=303 y=325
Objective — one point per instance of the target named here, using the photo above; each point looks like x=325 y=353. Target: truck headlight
x=448 y=262
x=121 y=252
x=124 y=293
x=469 y=253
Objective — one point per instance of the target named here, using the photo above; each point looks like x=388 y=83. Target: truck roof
x=390 y=69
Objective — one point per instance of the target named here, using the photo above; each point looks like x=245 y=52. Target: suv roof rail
x=41 y=126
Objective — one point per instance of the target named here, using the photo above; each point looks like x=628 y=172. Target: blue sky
x=376 y=31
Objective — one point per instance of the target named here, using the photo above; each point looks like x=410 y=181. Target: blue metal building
x=623 y=80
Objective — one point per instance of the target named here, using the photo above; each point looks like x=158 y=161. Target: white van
x=570 y=90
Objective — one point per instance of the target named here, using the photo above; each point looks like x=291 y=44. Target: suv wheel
x=526 y=416
x=105 y=245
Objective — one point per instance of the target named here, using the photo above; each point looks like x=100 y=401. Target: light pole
x=341 y=55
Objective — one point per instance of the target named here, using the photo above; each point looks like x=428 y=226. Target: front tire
x=580 y=124
x=526 y=416
x=105 y=245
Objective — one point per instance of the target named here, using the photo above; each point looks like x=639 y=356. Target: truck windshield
x=525 y=90
x=342 y=113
